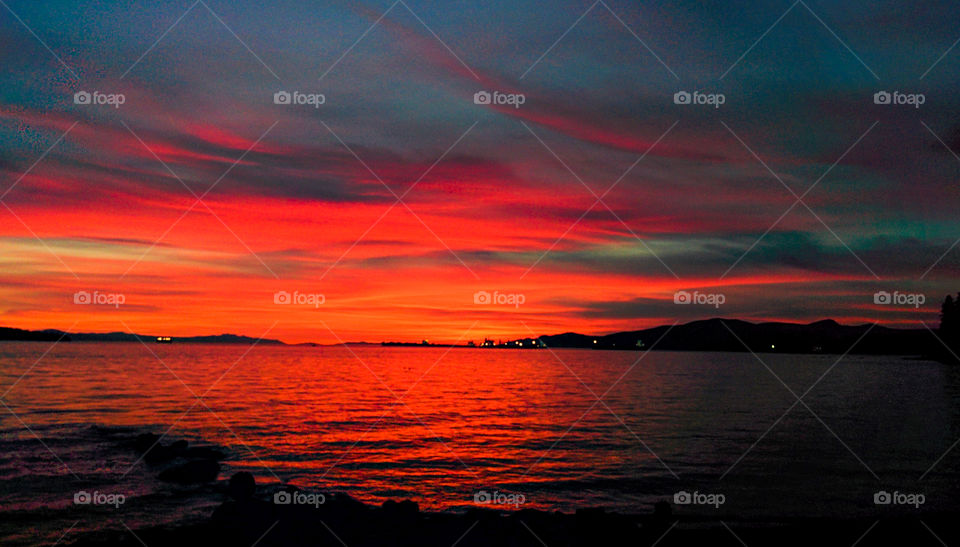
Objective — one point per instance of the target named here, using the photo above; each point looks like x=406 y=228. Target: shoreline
x=243 y=513
x=248 y=517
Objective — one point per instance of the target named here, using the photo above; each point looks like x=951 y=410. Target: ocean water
x=444 y=426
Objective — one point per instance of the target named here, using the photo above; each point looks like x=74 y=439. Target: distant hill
x=53 y=335
x=826 y=336
x=7 y=333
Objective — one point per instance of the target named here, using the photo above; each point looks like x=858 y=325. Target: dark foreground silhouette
x=265 y=516
x=248 y=518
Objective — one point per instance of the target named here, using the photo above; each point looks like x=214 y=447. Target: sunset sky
x=304 y=199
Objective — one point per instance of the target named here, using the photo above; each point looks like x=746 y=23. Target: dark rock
x=179 y=448
x=159 y=454
x=662 y=510
x=404 y=509
x=348 y=502
x=242 y=486
x=192 y=472
x=203 y=453
x=145 y=441
x=590 y=513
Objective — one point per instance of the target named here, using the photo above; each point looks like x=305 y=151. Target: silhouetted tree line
x=950 y=324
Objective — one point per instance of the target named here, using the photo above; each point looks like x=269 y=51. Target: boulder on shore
x=192 y=472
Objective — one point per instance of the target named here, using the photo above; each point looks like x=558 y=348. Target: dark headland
x=718 y=334
x=53 y=335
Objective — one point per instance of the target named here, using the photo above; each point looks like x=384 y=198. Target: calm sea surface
x=438 y=426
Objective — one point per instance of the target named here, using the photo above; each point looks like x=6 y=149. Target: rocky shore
x=257 y=515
